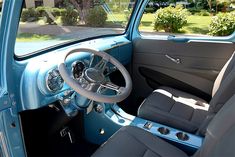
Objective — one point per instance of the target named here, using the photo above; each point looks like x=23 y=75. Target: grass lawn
x=27 y=37
x=116 y=17
x=195 y=25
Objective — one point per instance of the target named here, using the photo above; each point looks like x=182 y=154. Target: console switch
x=148 y=125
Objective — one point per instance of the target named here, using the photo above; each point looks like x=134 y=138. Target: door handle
x=175 y=60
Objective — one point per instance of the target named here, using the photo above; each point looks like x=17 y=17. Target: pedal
x=65 y=132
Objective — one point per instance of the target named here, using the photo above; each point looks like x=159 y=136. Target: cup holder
x=163 y=130
x=182 y=136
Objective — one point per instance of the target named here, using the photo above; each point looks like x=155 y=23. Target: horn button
x=94 y=76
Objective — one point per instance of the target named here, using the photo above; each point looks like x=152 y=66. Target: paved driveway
x=61 y=34
x=67 y=32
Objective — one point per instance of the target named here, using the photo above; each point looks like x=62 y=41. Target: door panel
x=200 y=63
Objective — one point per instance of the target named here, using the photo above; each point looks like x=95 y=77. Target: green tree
x=83 y=7
x=201 y=4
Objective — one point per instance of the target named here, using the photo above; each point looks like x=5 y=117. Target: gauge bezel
x=73 y=65
x=47 y=81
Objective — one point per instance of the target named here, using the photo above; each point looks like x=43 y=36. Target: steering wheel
x=93 y=80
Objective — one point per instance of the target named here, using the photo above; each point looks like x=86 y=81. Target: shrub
x=149 y=10
x=222 y=6
x=40 y=11
x=115 y=8
x=203 y=13
x=69 y=16
x=194 y=10
x=43 y=12
x=48 y=19
x=54 y=11
x=222 y=24
x=170 y=19
x=127 y=14
x=29 y=15
x=96 y=17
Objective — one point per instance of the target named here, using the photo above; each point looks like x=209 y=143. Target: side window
x=188 y=17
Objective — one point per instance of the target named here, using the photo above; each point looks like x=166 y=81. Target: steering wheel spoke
x=101 y=65
x=91 y=60
x=112 y=86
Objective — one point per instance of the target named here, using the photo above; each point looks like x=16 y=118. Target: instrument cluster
x=54 y=81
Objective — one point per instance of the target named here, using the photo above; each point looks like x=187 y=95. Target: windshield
x=46 y=23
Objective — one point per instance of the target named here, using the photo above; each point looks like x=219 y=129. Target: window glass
x=46 y=23
x=188 y=17
x=1 y=3
x=1 y=89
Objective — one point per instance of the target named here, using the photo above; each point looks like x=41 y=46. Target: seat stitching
x=151 y=151
x=144 y=152
x=172 y=97
x=187 y=118
x=172 y=118
x=143 y=144
x=156 y=106
x=191 y=117
x=172 y=106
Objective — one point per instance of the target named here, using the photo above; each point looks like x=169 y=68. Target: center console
x=189 y=142
x=111 y=118
x=186 y=141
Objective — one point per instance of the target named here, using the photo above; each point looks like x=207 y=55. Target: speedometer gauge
x=54 y=81
x=77 y=69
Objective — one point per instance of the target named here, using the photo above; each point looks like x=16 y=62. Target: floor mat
x=61 y=147
x=42 y=135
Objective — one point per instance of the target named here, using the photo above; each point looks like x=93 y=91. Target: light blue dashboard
x=33 y=87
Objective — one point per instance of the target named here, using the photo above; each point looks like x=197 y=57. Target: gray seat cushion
x=220 y=133
x=188 y=112
x=174 y=108
x=134 y=142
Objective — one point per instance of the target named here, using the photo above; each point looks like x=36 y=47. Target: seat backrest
x=223 y=87
x=220 y=135
x=223 y=90
x=223 y=73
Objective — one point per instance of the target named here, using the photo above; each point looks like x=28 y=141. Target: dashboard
x=50 y=81
x=41 y=83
